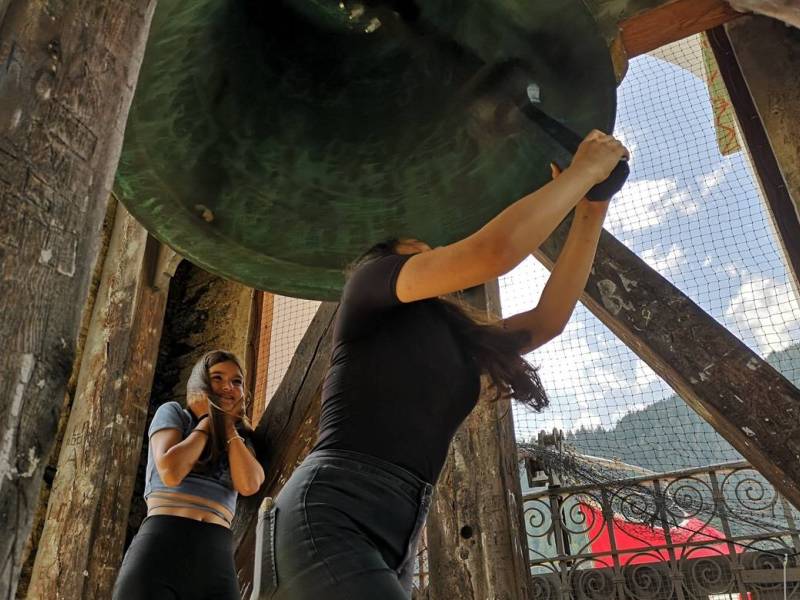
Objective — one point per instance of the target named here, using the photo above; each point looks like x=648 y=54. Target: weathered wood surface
x=287 y=431
x=759 y=60
x=476 y=539
x=81 y=546
x=67 y=75
x=41 y=510
x=748 y=402
x=672 y=21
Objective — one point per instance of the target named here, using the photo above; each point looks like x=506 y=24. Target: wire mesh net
x=699 y=219
x=284 y=321
x=694 y=212
x=628 y=503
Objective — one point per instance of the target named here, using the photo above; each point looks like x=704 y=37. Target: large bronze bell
x=272 y=141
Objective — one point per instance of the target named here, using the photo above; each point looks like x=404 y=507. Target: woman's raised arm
x=519 y=230
x=567 y=280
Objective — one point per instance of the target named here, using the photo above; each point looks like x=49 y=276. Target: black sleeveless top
x=400 y=382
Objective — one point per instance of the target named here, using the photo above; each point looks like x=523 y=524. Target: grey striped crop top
x=215 y=485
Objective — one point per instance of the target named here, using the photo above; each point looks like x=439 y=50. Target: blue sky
x=695 y=216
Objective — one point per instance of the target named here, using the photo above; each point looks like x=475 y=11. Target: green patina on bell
x=272 y=142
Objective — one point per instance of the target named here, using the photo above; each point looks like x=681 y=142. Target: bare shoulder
x=448 y=269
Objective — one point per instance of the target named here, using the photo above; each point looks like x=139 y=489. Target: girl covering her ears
x=405 y=372
x=199 y=458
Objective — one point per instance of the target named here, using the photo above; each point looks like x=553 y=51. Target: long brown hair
x=495 y=350
x=200 y=381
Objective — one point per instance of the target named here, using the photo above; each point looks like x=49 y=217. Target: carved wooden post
x=81 y=546
x=476 y=538
x=67 y=75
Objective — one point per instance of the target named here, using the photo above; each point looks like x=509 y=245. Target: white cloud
x=710 y=181
x=610 y=379
x=587 y=421
x=628 y=138
x=766 y=312
x=645 y=376
x=520 y=289
x=628 y=409
x=646 y=203
x=731 y=270
x=528 y=425
x=666 y=264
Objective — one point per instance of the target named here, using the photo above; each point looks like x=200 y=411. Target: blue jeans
x=345 y=527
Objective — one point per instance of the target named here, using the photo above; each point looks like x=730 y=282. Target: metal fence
x=713 y=533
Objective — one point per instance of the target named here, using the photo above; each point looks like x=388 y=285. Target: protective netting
x=284 y=321
x=693 y=211
x=628 y=504
x=699 y=219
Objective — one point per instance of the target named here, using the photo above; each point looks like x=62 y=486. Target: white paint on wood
x=7 y=469
x=612 y=301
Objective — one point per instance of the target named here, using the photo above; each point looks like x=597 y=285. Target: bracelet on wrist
x=235 y=437
x=198 y=430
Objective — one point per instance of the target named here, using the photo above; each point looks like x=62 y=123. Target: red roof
x=635 y=542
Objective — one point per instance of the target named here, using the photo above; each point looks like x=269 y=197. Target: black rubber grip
x=569 y=140
x=507 y=82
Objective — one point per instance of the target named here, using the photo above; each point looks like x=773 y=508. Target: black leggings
x=175 y=558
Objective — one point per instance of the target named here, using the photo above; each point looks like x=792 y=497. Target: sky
x=692 y=214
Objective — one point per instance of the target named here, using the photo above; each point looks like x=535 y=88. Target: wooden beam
x=99 y=456
x=68 y=71
x=672 y=21
x=748 y=402
x=287 y=431
x=477 y=546
x=759 y=59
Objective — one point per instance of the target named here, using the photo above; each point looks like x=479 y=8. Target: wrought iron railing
x=713 y=533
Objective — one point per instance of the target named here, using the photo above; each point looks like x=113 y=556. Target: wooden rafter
x=671 y=22
x=747 y=401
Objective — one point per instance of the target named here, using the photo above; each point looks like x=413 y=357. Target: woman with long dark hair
x=405 y=371
x=199 y=459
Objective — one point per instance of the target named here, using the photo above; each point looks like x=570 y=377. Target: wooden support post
x=747 y=401
x=67 y=74
x=476 y=539
x=81 y=546
x=759 y=60
x=287 y=430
